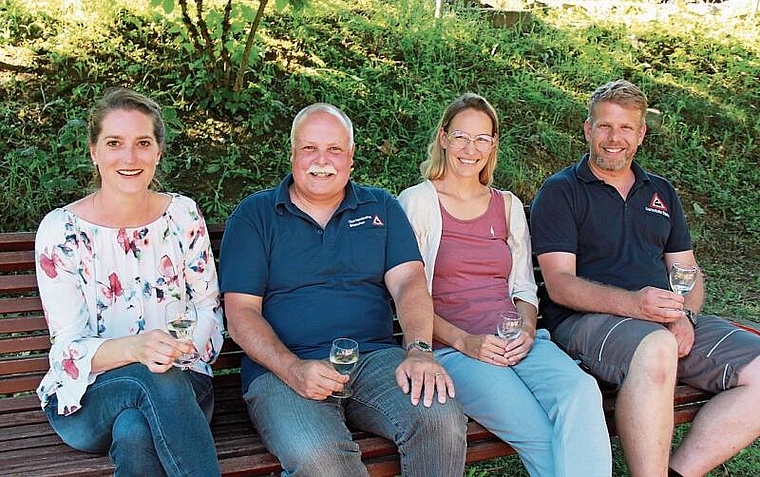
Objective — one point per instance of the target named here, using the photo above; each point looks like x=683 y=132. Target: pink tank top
x=470 y=286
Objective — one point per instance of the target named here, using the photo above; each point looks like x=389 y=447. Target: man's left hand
x=684 y=331
x=420 y=376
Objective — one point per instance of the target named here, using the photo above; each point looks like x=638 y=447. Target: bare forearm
x=529 y=315
x=114 y=353
x=259 y=341
x=586 y=296
x=449 y=334
x=415 y=311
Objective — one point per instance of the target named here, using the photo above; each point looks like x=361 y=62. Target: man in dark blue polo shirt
x=606 y=233
x=318 y=258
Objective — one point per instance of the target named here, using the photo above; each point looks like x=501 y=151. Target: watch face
x=422 y=346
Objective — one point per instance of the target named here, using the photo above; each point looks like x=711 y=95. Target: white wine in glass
x=181 y=318
x=682 y=278
x=344 y=355
x=509 y=326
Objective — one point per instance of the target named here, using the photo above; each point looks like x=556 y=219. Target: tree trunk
x=248 y=45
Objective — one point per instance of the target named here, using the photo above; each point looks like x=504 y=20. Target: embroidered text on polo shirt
x=358 y=222
x=657 y=206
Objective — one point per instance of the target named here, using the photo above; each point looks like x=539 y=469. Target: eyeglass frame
x=470 y=140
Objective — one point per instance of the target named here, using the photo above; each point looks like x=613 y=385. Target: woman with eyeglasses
x=476 y=246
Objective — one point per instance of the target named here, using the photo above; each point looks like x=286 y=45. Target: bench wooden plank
x=22 y=305
x=16 y=261
x=24 y=324
x=18 y=284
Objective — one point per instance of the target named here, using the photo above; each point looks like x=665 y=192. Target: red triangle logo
x=657 y=203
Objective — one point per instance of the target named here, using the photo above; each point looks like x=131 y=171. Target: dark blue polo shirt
x=615 y=241
x=317 y=284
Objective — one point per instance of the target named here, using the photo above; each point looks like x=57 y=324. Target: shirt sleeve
x=522 y=282
x=61 y=256
x=243 y=263
x=203 y=287
x=402 y=243
x=553 y=227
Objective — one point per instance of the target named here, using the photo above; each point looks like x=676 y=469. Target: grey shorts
x=605 y=345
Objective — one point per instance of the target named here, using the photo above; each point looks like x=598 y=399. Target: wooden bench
x=28 y=445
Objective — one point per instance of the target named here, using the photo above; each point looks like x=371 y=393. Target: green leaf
x=281 y=4
x=168 y=6
x=698 y=210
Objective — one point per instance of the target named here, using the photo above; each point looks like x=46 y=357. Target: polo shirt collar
x=583 y=172
x=354 y=196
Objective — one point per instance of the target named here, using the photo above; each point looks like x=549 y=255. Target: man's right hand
x=658 y=305
x=314 y=379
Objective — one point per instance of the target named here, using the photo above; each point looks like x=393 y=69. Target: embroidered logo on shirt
x=657 y=206
x=365 y=220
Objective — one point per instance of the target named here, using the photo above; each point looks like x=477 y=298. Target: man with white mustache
x=318 y=258
x=606 y=232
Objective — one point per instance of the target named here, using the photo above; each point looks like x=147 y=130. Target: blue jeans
x=149 y=423
x=545 y=407
x=311 y=438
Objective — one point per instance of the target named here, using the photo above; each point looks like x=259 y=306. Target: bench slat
x=17 y=283
x=16 y=241
x=16 y=261
x=26 y=304
x=20 y=344
x=25 y=324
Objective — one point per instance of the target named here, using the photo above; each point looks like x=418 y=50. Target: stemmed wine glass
x=682 y=278
x=344 y=355
x=181 y=318
x=509 y=326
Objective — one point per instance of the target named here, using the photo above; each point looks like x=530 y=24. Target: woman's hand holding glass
x=181 y=319
x=517 y=342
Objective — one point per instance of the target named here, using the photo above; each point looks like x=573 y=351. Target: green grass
x=392 y=67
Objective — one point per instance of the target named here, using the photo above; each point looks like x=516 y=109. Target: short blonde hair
x=435 y=165
x=620 y=92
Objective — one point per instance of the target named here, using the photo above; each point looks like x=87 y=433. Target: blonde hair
x=435 y=165
x=620 y=92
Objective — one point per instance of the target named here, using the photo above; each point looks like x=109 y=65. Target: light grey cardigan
x=420 y=202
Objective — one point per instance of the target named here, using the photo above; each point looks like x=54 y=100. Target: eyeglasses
x=460 y=140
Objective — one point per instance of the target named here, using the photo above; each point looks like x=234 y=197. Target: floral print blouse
x=98 y=283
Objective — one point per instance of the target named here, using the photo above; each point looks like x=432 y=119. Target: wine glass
x=344 y=355
x=509 y=326
x=682 y=278
x=181 y=318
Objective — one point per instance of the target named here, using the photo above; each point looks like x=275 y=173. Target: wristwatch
x=421 y=345
x=691 y=316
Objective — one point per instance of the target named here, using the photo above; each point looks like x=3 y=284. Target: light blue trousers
x=545 y=407
x=311 y=438
x=149 y=423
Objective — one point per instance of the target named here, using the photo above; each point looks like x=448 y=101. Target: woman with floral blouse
x=107 y=265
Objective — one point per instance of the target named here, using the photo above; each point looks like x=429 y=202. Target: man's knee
x=656 y=357
x=318 y=456
x=444 y=424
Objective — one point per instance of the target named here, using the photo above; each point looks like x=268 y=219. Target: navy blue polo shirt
x=317 y=284
x=616 y=241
